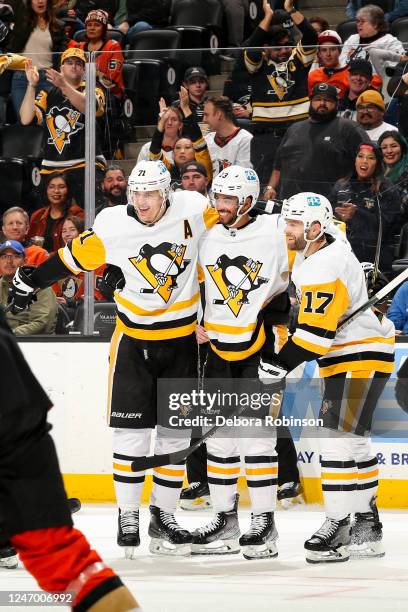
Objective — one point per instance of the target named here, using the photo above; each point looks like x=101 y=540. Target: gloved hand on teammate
x=112 y=280
x=22 y=290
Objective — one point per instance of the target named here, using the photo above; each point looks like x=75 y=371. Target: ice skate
x=366 y=535
x=168 y=538
x=195 y=497
x=290 y=494
x=330 y=544
x=220 y=536
x=8 y=557
x=128 y=532
x=260 y=541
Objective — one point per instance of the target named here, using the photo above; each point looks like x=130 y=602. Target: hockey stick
x=144 y=463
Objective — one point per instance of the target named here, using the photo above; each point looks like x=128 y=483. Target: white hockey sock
x=223 y=475
x=168 y=480
x=262 y=479
x=128 y=444
x=339 y=483
x=367 y=484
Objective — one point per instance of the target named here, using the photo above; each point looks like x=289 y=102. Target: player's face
x=94 y=30
x=114 y=183
x=9 y=262
x=329 y=55
x=294 y=231
x=366 y=163
x=391 y=151
x=196 y=88
x=147 y=204
x=69 y=231
x=73 y=69
x=227 y=207
x=57 y=191
x=15 y=227
x=194 y=181
x=322 y=105
x=183 y=151
x=358 y=82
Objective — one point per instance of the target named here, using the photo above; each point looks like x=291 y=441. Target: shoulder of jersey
x=327 y=264
x=188 y=203
x=109 y=216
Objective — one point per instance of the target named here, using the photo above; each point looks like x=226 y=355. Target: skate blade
x=201 y=503
x=262 y=551
x=289 y=502
x=339 y=555
x=130 y=552
x=9 y=563
x=158 y=546
x=367 y=550
x=219 y=547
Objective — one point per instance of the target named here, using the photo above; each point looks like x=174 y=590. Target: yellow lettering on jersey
x=188 y=233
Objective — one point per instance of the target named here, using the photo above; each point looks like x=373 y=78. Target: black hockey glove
x=22 y=290
x=112 y=279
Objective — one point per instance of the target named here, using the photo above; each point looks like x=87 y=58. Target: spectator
x=16 y=224
x=227 y=143
x=370 y=108
x=194 y=177
x=70 y=290
x=318 y=151
x=172 y=132
x=319 y=23
x=114 y=188
x=41 y=36
x=109 y=59
x=61 y=112
x=48 y=221
x=398 y=88
x=394 y=148
x=143 y=15
x=358 y=199
x=372 y=38
x=279 y=83
x=8 y=61
x=83 y=7
x=330 y=70
x=361 y=72
x=120 y=20
x=196 y=82
x=398 y=310
x=41 y=317
x=186 y=148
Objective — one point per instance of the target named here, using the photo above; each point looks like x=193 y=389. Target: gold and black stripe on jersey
x=161 y=330
x=236 y=351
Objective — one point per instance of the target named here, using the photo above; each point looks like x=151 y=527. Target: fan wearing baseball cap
x=196 y=82
x=360 y=79
x=370 y=114
x=61 y=113
x=330 y=70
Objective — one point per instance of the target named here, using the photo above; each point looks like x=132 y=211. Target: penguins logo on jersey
x=235 y=279
x=62 y=123
x=280 y=83
x=160 y=266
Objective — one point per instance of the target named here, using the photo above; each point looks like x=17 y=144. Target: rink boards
x=74 y=374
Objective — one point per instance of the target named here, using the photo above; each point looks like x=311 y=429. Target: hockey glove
x=22 y=290
x=272 y=373
x=112 y=280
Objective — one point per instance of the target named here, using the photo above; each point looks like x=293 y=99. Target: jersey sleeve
x=41 y=106
x=211 y=217
x=84 y=253
x=100 y=101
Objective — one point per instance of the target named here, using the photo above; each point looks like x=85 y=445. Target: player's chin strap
x=240 y=214
x=309 y=242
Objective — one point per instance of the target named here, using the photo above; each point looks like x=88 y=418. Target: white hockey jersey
x=234 y=150
x=330 y=286
x=243 y=270
x=159 y=263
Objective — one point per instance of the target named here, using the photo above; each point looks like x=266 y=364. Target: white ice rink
x=232 y=584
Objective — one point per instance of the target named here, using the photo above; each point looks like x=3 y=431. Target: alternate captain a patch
x=235 y=279
x=62 y=123
x=160 y=266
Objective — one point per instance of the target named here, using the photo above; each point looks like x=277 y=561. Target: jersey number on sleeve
x=317 y=302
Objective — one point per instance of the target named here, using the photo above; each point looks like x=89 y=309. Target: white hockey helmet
x=239 y=182
x=149 y=176
x=309 y=208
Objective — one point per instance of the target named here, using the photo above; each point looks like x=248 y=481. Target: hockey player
x=35 y=517
x=154 y=243
x=245 y=264
x=355 y=365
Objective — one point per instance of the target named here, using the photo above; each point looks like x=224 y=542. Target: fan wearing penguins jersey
x=355 y=364
x=245 y=265
x=154 y=241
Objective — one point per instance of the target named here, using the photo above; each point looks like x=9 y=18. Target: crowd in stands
x=306 y=110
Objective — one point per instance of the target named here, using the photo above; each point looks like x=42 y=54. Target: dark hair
x=115 y=168
x=77 y=221
x=64 y=177
x=50 y=16
x=223 y=104
x=375 y=16
x=317 y=19
x=397 y=137
x=378 y=174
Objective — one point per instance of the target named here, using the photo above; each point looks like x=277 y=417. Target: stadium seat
x=401 y=255
x=160 y=45
x=104 y=319
x=399 y=29
x=346 y=29
x=113 y=34
x=200 y=25
x=21 y=152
